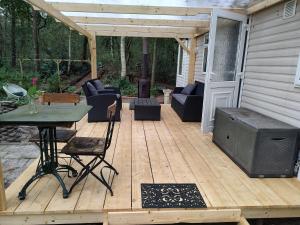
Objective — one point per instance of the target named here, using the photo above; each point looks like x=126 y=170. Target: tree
x=14 y=9
x=153 y=63
x=35 y=39
x=123 y=57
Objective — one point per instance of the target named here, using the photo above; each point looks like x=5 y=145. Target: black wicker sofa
x=187 y=102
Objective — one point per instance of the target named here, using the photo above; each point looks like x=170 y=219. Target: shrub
x=127 y=88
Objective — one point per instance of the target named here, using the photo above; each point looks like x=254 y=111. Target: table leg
x=48 y=161
x=2 y=190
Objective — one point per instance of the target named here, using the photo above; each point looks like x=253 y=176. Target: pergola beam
x=42 y=5
x=262 y=5
x=143 y=34
x=201 y=21
x=142 y=31
x=133 y=28
x=164 y=7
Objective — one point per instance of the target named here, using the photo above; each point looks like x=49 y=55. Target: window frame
x=297 y=75
x=180 y=64
x=205 y=46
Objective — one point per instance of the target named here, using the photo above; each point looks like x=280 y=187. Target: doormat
x=171 y=196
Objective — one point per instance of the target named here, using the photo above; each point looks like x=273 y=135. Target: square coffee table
x=146 y=109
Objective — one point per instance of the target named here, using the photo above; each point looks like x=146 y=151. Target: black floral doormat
x=171 y=196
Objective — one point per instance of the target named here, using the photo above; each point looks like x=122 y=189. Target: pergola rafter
x=120 y=30
x=162 y=7
x=42 y=5
x=201 y=20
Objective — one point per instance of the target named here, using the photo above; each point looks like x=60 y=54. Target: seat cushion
x=180 y=98
x=91 y=88
x=188 y=90
x=199 y=90
x=84 y=146
x=98 y=85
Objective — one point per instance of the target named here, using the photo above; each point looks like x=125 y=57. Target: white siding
x=199 y=76
x=274 y=45
x=182 y=80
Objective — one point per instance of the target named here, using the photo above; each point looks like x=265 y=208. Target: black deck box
x=260 y=145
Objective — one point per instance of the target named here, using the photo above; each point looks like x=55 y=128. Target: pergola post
x=192 y=60
x=93 y=51
x=2 y=190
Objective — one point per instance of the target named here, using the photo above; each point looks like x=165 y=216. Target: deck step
x=175 y=216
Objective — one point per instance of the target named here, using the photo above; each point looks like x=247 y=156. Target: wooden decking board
x=181 y=169
x=161 y=170
x=141 y=168
x=122 y=183
x=146 y=152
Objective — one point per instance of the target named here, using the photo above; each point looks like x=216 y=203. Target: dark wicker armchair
x=100 y=98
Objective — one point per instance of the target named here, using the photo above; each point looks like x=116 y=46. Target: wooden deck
x=166 y=151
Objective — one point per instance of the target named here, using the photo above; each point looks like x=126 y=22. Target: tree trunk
x=1 y=41
x=111 y=47
x=13 y=38
x=70 y=51
x=123 y=57
x=153 y=63
x=35 y=38
x=84 y=48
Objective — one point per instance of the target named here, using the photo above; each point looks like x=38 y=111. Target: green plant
x=127 y=88
x=155 y=91
x=53 y=83
x=71 y=89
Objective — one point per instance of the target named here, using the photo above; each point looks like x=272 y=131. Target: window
x=180 y=59
x=204 y=64
x=297 y=77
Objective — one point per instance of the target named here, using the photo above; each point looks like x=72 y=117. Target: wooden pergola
x=179 y=19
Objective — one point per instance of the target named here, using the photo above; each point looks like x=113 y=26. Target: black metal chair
x=97 y=147
x=63 y=135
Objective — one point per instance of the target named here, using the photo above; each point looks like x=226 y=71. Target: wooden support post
x=192 y=60
x=93 y=51
x=2 y=190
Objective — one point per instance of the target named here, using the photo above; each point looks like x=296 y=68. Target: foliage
x=8 y=75
x=155 y=91
x=54 y=83
x=71 y=89
x=126 y=88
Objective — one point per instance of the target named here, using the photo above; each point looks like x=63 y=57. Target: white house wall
x=274 y=46
x=199 y=76
x=182 y=80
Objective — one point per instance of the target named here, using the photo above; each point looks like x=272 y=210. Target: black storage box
x=260 y=145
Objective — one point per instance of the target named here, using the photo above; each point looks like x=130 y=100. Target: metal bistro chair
x=96 y=147
x=62 y=135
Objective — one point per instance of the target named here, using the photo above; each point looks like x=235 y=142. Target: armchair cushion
x=188 y=90
x=199 y=89
x=180 y=98
x=98 y=85
x=91 y=89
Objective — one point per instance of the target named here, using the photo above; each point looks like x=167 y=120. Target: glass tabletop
x=53 y=114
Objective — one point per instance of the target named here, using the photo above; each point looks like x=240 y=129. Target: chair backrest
x=111 y=112
x=60 y=98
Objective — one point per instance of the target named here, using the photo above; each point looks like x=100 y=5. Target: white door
x=225 y=56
